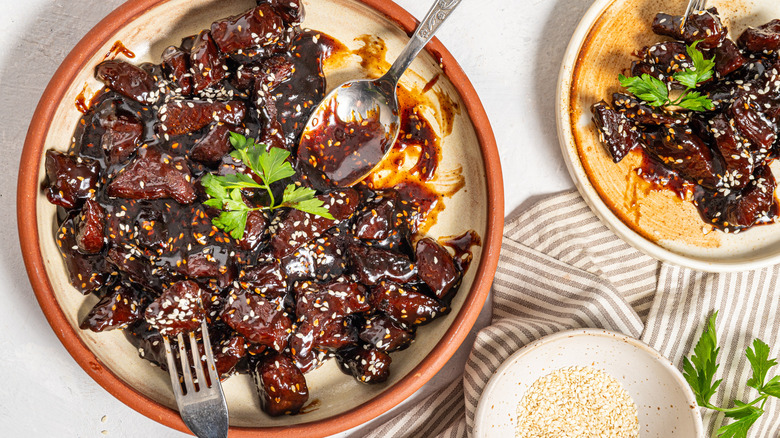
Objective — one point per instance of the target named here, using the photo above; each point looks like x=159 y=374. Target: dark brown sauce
x=461 y=245
x=118 y=49
x=417 y=131
x=417 y=143
x=334 y=52
x=297 y=97
x=417 y=151
x=431 y=83
x=84 y=99
x=663 y=178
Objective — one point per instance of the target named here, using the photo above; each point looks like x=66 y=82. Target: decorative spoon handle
x=436 y=16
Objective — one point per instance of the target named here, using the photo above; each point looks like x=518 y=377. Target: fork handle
x=436 y=16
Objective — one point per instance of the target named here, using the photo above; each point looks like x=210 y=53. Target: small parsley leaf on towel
x=699 y=371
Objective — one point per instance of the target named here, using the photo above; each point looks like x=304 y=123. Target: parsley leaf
x=760 y=363
x=647 y=88
x=214 y=187
x=702 y=67
x=269 y=166
x=772 y=387
x=745 y=419
x=688 y=78
x=656 y=93
x=237 y=140
x=233 y=222
x=302 y=198
x=695 y=101
x=274 y=167
x=700 y=370
x=237 y=181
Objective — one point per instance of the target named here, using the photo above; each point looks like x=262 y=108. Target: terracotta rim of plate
x=28 y=191
x=569 y=70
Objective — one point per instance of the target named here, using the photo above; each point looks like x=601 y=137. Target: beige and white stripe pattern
x=561 y=268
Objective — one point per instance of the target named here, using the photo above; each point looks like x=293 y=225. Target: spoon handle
x=436 y=16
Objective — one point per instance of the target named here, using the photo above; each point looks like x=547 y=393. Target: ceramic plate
x=338 y=402
x=666 y=407
x=656 y=222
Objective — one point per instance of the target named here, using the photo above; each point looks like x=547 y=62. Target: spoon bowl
x=355 y=126
x=349 y=133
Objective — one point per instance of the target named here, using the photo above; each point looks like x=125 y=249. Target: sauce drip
x=462 y=246
x=662 y=178
x=118 y=49
x=416 y=154
x=311 y=406
x=431 y=83
x=417 y=132
x=83 y=102
x=372 y=55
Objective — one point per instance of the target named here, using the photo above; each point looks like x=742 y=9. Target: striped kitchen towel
x=561 y=268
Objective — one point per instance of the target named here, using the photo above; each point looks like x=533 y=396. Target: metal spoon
x=356 y=125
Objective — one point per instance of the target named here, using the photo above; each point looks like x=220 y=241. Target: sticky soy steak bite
x=720 y=157
x=296 y=289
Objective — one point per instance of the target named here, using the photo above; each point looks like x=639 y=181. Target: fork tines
x=693 y=7
x=186 y=365
x=202 y=403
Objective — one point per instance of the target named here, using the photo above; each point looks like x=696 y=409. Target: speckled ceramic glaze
x=654 y=221
x=146 y=27
x=666 y=407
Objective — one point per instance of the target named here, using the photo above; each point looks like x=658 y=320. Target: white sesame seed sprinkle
x=572 y=402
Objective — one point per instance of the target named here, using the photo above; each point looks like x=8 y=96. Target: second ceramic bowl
x=654 y=221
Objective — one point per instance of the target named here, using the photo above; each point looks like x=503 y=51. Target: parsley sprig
x=270 y=166
x=700 y=371
x=656 y=93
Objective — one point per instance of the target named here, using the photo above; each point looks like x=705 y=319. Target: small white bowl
x=665 y=403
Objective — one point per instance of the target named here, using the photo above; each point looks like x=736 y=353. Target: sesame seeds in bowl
x=606 y=383
x=576 y=401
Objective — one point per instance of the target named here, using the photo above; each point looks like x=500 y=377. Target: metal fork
x=693 y=7
x=204 y=410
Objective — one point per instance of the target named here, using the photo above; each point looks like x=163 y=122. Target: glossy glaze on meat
x=297 y=289
x=719 y=158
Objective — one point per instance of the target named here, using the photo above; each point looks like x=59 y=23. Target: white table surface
x=510 y=49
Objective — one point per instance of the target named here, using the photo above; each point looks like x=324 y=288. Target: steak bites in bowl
x=704 y=112
x=285 y=276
